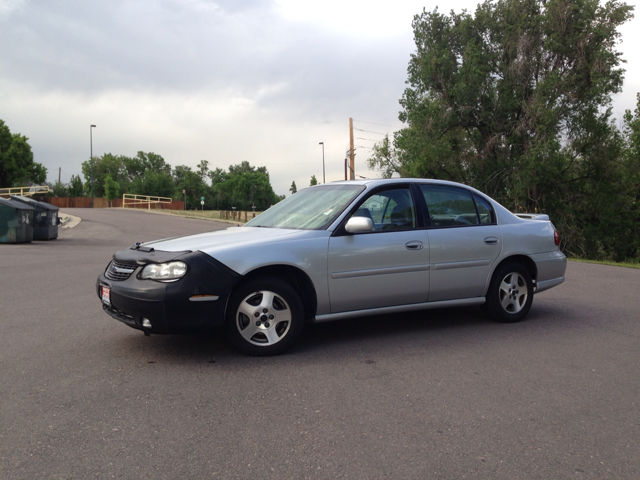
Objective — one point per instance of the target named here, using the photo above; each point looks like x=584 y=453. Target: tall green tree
x=516 y=101
x=60 y=190
x=217 y=177
x=384 y=158
x=144 y=174
x=75 y=186
x=244 y=184
x=111 y=189
x=108 y=164
x=155 y=184
x=313 y=181
x=136 y=167
x=148 y=174
x=17 y=167
x=191 y=182
x=293 y=189
x=626 y=234
x=203 y=169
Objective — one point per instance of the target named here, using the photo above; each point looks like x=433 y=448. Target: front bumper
x=172 y=307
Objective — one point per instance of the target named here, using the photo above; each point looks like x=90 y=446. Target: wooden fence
x=85 y=202
x=240 y=216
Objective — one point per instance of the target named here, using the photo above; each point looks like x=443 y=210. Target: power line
x=369 y=131
x=289 y=163
x=379 y=124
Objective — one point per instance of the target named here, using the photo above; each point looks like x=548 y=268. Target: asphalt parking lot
x=434 y=394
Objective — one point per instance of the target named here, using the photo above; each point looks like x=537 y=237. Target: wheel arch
x=295 y=277
x=523 y=260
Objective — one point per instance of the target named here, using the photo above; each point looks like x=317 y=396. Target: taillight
x=556 y=237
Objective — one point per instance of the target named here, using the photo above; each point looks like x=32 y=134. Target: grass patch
x=606 y=262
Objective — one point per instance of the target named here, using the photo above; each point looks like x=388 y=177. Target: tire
x=510 y=293
x=264 y=317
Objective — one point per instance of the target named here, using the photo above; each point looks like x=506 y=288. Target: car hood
x=218 y=240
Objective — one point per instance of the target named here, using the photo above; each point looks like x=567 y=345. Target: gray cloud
x=247 y=48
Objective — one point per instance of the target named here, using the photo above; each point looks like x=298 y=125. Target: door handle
x=416 y=245
x=491 y=240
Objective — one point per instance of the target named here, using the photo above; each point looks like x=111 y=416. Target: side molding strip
x=380 y=271
x=464 y=302
x=471 y=263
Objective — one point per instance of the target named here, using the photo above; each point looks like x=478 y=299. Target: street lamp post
x=91 y=158
x=323 y=179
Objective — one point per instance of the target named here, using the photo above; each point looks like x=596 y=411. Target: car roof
x=373 y=182
x=504 y=215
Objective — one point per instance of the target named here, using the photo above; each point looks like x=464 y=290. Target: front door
x=386 y=267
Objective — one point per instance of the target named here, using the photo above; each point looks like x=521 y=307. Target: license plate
x=105 y=293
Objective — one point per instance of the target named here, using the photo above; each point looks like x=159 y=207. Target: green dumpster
x=16 y=221
x=45 y=218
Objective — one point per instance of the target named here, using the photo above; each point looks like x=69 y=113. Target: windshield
x=310 y=209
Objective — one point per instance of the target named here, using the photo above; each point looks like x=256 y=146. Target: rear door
x=386 y=267
x=464 y=241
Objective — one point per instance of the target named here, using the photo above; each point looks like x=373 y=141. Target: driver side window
x=389 y=210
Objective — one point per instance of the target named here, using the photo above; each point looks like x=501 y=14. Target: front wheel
x=510 y=293
x=265 y=316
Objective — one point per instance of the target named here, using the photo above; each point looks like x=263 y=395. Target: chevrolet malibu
x=337 y=251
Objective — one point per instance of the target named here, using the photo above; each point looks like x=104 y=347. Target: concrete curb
x=68 y=221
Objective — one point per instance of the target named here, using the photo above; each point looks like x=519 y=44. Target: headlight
x=164 y=271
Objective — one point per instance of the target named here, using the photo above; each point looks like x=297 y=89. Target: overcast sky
x=222 y=80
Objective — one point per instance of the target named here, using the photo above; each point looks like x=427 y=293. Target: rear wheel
x=265 y=316
x=510 y=293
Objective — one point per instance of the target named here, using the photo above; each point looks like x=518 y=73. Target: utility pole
x=91 y=158
x=324 y=180
x=59 y=173
x=351 y=151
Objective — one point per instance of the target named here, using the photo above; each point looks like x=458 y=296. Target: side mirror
x=359 y=225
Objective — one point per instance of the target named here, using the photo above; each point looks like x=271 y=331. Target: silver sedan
x=338 y=251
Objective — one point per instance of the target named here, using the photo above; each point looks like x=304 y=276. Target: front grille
x=119 y=271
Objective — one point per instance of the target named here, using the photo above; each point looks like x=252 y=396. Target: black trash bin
x=16 y=221
x=45 y=218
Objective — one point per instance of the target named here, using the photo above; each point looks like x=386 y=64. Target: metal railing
x=130 y=200
x=24 y=191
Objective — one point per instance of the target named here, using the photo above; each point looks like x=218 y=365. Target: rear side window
x=487 y=215
x=450 y=206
